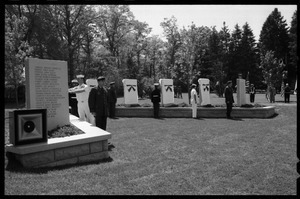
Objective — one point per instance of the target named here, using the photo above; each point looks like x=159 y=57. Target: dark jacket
x=112 y=96
x=98 y=101
x=155 y=96
x=287 y=90
x=229 y=95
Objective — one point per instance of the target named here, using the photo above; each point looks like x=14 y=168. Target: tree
x=114 y=23
x=250 y=57
x=225 y=41
x=272 y=69
x=16 y=50
x=172 y=34
x=293 y=47
x=235 y=58
x=274 y=36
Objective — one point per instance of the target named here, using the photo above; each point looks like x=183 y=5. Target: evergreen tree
x=293 y=49
x=250 y=57
x=274 y=36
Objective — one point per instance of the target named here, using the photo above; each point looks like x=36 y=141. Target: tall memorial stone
x=47 y=88
x=241 y=92
x=130 y=91
x=204 y=91
x=167 y=91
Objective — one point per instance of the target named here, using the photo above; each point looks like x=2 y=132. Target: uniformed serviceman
x=82 y=94
x=98 y=103
x=112 y=100
x=194 y=101
x=155 y=99
x=252 y=93
x=72 y=99
x=229 y=99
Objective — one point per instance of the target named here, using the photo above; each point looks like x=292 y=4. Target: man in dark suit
x=98 y=103
x=229 y=99
x=155 y=99
x=287 y=92
x=112 y=100
x=252 y=93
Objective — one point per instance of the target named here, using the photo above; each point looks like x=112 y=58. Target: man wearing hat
x=287 y=92
x=194 y=101
x=72 y=99
x=82 y=91
x=252 y=93
x=155 y=99
x=98 y=103
x=112 y=100
x=229 y=99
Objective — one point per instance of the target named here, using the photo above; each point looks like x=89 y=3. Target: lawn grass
x=179 y=156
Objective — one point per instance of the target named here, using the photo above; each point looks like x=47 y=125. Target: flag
x=247 y=83
x=282 y=89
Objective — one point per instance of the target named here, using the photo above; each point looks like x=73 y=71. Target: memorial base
x=87 y=147
x=202 y=112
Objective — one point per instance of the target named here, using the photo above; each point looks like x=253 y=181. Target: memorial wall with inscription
x=47 y=87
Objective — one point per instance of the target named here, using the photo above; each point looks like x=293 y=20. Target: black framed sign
x=28 y=126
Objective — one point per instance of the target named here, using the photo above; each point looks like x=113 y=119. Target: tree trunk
x=17 y=96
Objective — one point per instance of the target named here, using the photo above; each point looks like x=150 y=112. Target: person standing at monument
x=72 y=98
x=112 y=100
x=229 y=99
x=155 y=99
x=82 y=91
x=179 y=92
x=252 y=93
x=194 y=101
x=272 y=92
x=98 y=103
x=287 y=92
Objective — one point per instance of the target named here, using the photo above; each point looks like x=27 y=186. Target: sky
x=210 y=15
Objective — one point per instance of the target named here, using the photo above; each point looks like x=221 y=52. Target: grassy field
x=180 y=156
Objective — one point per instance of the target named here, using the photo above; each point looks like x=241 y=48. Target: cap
x=229 y=82
x=194 y=85
x=79 y=76
x=156 y=84
x=74 y=81
x=252 y=84
x=111 y=83
x=101 y=78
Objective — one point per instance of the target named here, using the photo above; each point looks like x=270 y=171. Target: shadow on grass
x=273 y=116
x=16 y=167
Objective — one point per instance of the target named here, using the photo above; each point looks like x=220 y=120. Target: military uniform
x=82 y=94
x=252 y=93
x=228 y=99
x=287 y=92
x=112 y=100
x=194 y=101
x=98 y=103
x=155 y=99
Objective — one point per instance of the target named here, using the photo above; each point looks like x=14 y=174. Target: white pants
x=84 y=111
x=194 y=110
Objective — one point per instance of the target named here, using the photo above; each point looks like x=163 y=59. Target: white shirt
x=193 y=95
x=83 y=96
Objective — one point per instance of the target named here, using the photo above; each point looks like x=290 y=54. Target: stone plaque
x=241 y=92
x=204 y=90
x=47 y=88
x=167 y=91
x=130 y=91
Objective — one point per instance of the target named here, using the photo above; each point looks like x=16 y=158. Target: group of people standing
x=93 y=105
